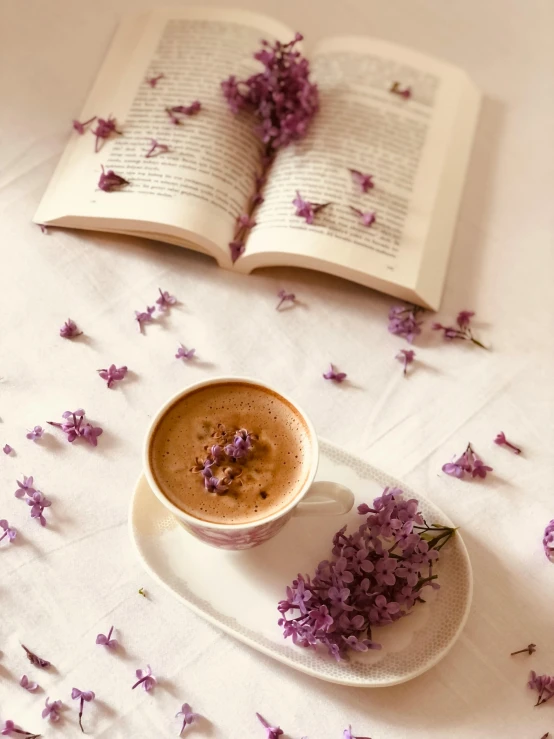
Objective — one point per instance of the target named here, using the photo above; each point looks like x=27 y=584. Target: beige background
x=62 y=585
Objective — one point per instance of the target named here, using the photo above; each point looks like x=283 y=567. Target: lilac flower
x=364 y=181
x=241 y=445
x=284 y=101
x=187 y=715
x=142 y=317
x=502 y=441
x=165 y=300
x=38 y=502
x=7 y=449
x=480 y=469
x=52 y=710
x=215 y=485
x=69 y=330
x=10 y=727
x=28 y=684
x=104 y=129
x=461 y=331
x=367 y=217
x=112 y=374
x=109 y=180
x=246 y=221
x=272 y=732
x=34 y=659
x=74 y=426
x=145 y=678
x=11 y=533
x=36 y=433
x=153 y=81
x=548 y=541
x=281 y=96
x=332 y=374
x=347 y=734
x=543 y=684
x=403 y=321
x=84 y=696
x=529 y=649
x=469 y=462
x=236 y=248
x=24 y=488
x=80 y=127
x=178 y=110
x=184 y=353
x=407 y=357
x=375 y=578
x=305 y=209
x=284 y=297
x=156 y=149
x=107 y=641
x=397 y=90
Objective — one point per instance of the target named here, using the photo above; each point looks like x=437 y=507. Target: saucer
x=239 y=591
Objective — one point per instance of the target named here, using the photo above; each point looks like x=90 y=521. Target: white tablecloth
x=62 y=585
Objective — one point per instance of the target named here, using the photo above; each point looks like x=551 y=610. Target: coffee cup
x=307 y=498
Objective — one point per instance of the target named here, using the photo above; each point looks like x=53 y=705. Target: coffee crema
x=271 y=476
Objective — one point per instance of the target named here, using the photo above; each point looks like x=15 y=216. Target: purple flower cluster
x=285 y=297
x=543 y=684
x=177 y=111
x=110 y=181
x=34 y=659
x=52 y=710
x=70 y=330
x=35 y=433
x=548 y=541
x=284 y=101
x=104 y=129
x=29 y=685
x=155 y=149
x=462 y=329
x=406 y=356
x=112 y=374
x=75 y=427
x=84 y=696
x=367 y=217
x=107 y=641
x=227 y=454
x=145 y=678
x=34 y=498
x=307 y=210
x=153 y=81
x=403 y=321
x=375 y=577
x=163 y=303
x=9 y=532
x=501 y=440
x=468 y=463
x=364 y=181
x=332 y=374
x=282 y=97
x=186 y=713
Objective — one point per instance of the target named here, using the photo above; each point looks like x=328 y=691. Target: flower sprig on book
x=283 y=101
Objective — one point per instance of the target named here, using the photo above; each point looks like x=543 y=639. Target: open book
x=417 y=149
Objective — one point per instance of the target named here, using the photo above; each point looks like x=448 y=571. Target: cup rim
x=198 y=522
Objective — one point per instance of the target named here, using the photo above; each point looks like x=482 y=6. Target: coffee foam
x=272 y=476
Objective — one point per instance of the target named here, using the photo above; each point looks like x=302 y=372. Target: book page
x=197 y=189
x=406 y=144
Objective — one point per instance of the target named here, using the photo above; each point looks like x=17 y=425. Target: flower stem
x=81 y=714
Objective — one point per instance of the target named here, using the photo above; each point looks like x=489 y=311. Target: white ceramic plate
x=239 y=591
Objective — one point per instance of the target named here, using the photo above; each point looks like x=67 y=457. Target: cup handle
x=325 y=499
